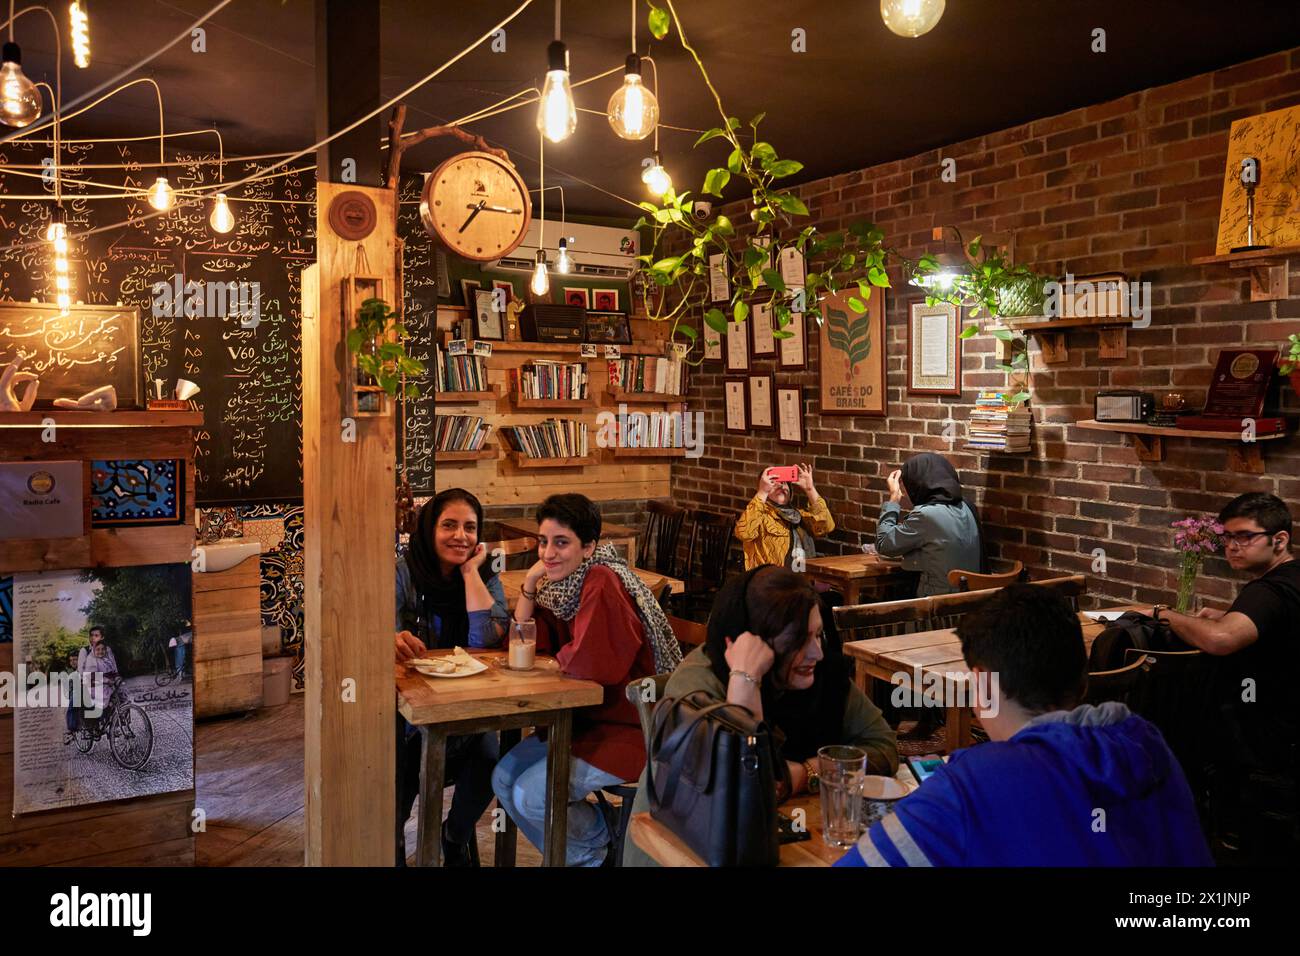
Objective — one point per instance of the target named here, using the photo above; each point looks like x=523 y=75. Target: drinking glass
x=523 y=645
x=869 y=549
x=843 y=774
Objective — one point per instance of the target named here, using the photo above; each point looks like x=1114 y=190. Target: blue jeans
x=178 y=657
x=520 y=784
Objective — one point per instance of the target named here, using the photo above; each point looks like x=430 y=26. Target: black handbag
x=711 y=779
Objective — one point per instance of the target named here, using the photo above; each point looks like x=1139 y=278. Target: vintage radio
x=546 y=322
x=1123 y=405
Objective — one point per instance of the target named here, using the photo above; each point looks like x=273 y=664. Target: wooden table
x=935 y=656
x=511 y=581
x=614 y=533
x=495 y=700
x=851 y=574
x=667 y=849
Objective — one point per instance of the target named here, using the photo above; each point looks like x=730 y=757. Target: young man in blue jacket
x=1058 y=784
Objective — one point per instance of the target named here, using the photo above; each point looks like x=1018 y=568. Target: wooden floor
x=249 y=783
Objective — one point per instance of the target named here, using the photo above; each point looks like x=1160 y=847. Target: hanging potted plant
x=1291 y=363
x=378 y=343
x=1195 y=538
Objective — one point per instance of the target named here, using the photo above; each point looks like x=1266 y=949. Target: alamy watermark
x=1103 y=298
x=955 y=689
x=635 y=429
x=80 y=689
x=201 y=300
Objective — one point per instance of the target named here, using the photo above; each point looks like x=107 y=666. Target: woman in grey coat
x=939 y=534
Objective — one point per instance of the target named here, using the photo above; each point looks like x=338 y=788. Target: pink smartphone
x=783 y=473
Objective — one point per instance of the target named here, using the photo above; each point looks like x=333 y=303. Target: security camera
x=701 y=210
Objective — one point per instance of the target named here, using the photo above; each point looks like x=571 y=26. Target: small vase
x=1191 y=570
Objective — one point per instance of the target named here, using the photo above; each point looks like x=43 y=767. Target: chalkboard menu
x=421 y=304
x=87 y=348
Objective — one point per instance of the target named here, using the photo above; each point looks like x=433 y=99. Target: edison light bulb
x=160 y=194
x=541 y=283
x=20 y=104
x=79 y=26
x=57 y=235
x=557 y=117
x=222 y=219
x=911 y=18
x=563 y=264
x=656 y=178
x=633 y=110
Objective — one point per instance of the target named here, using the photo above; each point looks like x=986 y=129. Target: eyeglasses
x=1241 y=539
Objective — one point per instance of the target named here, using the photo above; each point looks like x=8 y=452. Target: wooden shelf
x=523 y=461
x=450 y=457
x=1112 y=335
x=647 y=398
x=67 y=418
x=525 y=404
x=1275 y=253
x=1148 y=442
x=465 y=398
x=1268 y=269
x=1030 y=323
x=648 y=452
x=564 y=348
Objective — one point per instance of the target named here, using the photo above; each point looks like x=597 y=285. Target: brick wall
x=1130 y=185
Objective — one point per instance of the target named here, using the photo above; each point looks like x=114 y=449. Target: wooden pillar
x=348 y=483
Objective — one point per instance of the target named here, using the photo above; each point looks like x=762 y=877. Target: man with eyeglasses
x=1261 y=632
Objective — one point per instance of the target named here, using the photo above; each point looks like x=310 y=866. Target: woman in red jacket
x=602 y=624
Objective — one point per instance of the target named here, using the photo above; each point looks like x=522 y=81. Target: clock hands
x=512 y=212
x=478 y=208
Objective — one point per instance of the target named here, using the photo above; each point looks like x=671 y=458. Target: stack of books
x=543 y=379
x=648 y=373
x=995 y=425
x=459 y=432
x=652 y=430
x=459 y=373
x=553 y=438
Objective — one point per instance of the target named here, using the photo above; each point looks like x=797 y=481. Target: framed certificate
x=719 y=280
x=737 y=347
x=762 y=408
x=760 y=326
x=764 y=245
x=789 y=414
x=712 y=342
x=736 y=403
x=933 y=350
x=794 y=350
x=792 y=268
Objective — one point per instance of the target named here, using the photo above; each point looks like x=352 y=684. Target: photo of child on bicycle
x=118 y=641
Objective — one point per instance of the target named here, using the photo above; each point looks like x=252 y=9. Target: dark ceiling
x=860 y=95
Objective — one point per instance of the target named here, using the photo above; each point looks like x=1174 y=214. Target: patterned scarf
x=562 y=597
x=799 y=536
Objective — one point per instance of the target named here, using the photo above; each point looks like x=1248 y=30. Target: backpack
x=1131 y=629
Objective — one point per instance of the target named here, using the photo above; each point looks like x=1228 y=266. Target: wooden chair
x=1118 y=685
x=1070 y=586
x=857 y=622
x=688 y=633
x=974 y=581
x=947 y=610
x=706 y=561
x=663 y=530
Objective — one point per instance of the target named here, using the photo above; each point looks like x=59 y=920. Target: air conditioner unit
x=597 y=252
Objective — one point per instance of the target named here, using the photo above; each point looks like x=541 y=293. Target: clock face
x=477 y=206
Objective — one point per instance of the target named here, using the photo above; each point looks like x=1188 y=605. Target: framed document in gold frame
x=789 y=414
x=851 y=354
x=933 y=349
x=735 y=395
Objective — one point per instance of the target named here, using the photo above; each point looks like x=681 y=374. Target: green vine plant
x=1291 y=359
x=384 y=361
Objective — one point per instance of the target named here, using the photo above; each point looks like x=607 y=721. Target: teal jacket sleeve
x=895 y=538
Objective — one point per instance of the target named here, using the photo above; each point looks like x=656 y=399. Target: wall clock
x=476 y=205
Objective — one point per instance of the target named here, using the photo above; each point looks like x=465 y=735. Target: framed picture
x=712 y=341
x=765 y=245
x=933 y=350
x=578 y=297
x=791 y=268
x=604 y=300
x=760 y=327
x=719 y=280
x=851 y=354
x=762 y=407
x=789 y=414
x=736 y=403
x=608 y=328
x=467 y=289
x=488 y=322
x=794 y=350
x=737 y=347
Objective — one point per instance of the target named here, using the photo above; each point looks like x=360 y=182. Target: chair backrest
x=663 y=529
x=636 y=693
x=690 y=633
x=974 y=581
x=710 y=547
x=947 y=610
x=1070 y=586
x=1119 y=684
x=857 y=622
x=512 y=546
x=1177 y=696
x=663 y=594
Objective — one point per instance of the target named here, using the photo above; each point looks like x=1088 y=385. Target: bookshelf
x=1148 y=442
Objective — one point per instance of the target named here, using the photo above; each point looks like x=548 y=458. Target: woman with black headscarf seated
x=448 y=596
x=940 y=534
x=772 y=648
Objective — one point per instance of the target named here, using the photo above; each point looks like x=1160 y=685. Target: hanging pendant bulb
x=633 y=110
x=20 y=103
x=911 y=18
x=557 y=116
x=656 y=178
x=541 y=282
x=79 y=27
x=160 y=194
x=563 y=264
x=222 y=219
x=56 y=233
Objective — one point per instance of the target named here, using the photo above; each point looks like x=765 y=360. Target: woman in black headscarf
x=940 y=534
x=772 y=648
x=448 y=596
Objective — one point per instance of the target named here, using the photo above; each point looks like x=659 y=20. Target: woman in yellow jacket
x=772 y=531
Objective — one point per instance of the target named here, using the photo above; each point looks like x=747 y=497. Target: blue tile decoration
x=137 y=492
x=6 y=610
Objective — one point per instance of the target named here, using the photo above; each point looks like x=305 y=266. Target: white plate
x=465 y=666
